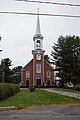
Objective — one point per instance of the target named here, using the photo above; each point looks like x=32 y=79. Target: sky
x=17 y=31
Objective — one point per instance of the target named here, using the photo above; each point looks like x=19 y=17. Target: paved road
x=70 y=94
x=44 y=113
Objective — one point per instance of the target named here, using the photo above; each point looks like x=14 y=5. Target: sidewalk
x=8 y=108
x=69 y=94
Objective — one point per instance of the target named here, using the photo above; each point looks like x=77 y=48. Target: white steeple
x=38 y=31
x=38 y=38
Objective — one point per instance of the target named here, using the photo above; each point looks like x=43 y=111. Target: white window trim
x=38 y=68
x=27 y=74
x=38 y=57
x=48 y=74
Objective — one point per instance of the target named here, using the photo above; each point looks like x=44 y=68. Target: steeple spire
x=38 y=38
x=38 y=31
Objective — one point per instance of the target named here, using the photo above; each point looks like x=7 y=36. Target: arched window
x=27 y=74
x=38 y=43
x=48 y=74
x=38 y=68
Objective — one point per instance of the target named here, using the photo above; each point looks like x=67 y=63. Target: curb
x=8 y=108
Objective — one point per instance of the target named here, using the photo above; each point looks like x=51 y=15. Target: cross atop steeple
x=38 y=30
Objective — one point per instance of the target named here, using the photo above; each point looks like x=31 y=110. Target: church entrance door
x=38 y=82
x=27 y=83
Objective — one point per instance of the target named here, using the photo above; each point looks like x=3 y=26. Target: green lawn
x=25 y=98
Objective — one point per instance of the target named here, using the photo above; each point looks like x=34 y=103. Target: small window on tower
x=38 y=43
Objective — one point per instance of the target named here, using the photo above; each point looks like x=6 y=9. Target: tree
x=16 y=77
x=1 y=74
x=5 y=70
x=66 y=57
x=47 y=58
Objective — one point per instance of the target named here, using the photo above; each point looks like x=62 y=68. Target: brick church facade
x=37 y=72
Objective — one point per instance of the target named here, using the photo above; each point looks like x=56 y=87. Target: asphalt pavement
x=55 y=112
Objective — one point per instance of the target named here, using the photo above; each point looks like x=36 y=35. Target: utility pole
x=0 y=51
x=0 y=40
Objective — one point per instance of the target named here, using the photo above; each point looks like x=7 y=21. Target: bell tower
x=38 y=56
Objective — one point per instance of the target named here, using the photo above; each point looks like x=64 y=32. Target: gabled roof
x=49 y=65
x=27 y=64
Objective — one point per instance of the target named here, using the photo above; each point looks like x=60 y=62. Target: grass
x=25 y=98
x=66 y=90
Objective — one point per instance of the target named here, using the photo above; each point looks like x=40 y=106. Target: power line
x=42 y=14
x=55 y=3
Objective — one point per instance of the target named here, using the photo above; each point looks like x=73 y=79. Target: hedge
x=77 y=87
x=8 y=89
x=32 y=88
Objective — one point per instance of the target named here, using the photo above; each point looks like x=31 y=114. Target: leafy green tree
x=66 y=57
x=1 y=74
x=5 y=70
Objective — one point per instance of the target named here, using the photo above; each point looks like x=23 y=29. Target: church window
x=38 y=68
x=48 y=74
x=38 y=43
x=27 y=74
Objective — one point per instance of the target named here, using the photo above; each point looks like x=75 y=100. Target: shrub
x=7 y=90
x=31 y=88
x=77 y=87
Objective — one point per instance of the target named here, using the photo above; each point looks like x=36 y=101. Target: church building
x=37 y=72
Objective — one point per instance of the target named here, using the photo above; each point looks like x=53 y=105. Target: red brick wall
x=28 y=67
x=46 y=68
